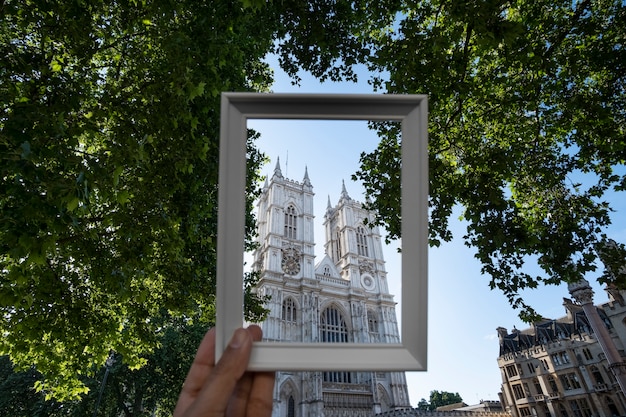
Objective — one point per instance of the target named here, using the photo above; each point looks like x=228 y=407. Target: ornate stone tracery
x=325 y=301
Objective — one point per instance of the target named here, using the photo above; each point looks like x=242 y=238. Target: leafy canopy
x=439 y=399
x=527 y=106
x=109 y=118
x=109 y=121
x=527 y=109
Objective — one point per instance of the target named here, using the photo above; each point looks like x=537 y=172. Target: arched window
x=597 y=375
x=361 y=242
x=290 y=222
x=372 y=325
x=333 y=329
x=372 y=322
x=326 y=271
x=289 y=310
x=612 y=407
x=337 y=245
x=291 y=407
x=333 y=326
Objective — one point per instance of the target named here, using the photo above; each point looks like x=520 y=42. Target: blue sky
x=463 y=312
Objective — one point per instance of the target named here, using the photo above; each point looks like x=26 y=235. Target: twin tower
x=343 y=297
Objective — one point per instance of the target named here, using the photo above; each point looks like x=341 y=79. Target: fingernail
x=238 y=339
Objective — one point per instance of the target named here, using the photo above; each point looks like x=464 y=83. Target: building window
x=538 y=388
x=289 y=310
x=560 y=358
x=333 y=329
x=511 y=371
x=518 y=391
x=587 y=354
x=361 y=242
x=580 y=407
x=337 y=245
x=340 y=377
x=570 y=381
x=597 y=375
x=531 y=368
x=524 y=411
x=563 y=410
x=290 y=222
x=333 y=326
x=553 y=386
x=584 y=407
x=546 y=367
x=326 y=271
x=372 y=325
x=612 y=408
x=291 y=407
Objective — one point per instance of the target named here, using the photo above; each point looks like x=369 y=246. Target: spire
x=277 y=172
x=344 y=192
x=328 y=206
x=306 y=181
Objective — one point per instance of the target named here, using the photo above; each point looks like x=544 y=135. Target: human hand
x=225 y=388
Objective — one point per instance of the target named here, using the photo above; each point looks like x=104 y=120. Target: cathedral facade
x=341 y=298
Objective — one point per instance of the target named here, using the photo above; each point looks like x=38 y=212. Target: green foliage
x=441 y=398
x=423 y=405
x=526 y=131
x=18 y=397
x=151 y=390
x=109 y=121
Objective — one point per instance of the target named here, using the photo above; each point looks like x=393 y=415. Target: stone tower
x=343 y=297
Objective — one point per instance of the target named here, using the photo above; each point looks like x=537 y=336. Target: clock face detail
x=291 y=261
x=367 y=281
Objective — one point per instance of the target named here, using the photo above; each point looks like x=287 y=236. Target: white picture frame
x=412 y=110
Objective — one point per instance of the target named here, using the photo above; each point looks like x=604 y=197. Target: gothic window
x=597 y=375
x=333 y=329
x=570 y=381
x=291 y=407
x=326 y=271
x=580 y=407
x=289 y=310
x=372 y=325
x=611 y=404
x=340 y=377
x=290 y=222
x=333 y=326
x=361 y=242
x=552 y=383
x=337 y=245
x=518 y=391
x=538 y=388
